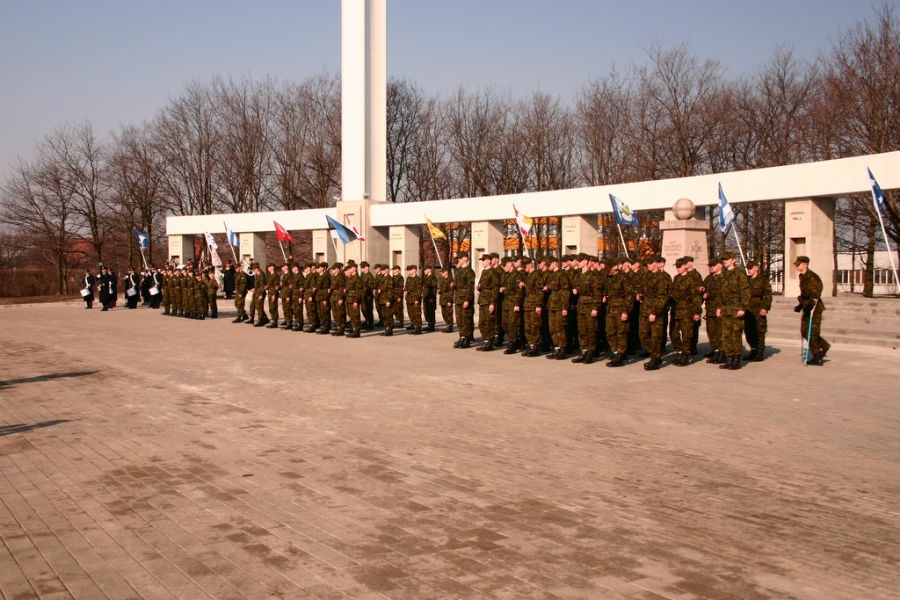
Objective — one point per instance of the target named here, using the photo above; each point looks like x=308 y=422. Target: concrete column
x=685 y=237
x=809 y=231
x=377 y=101
x=181 y=248
x=322 y=247
x=487 y=237
x=404 y=246
x=253 y=245
x=579 y=234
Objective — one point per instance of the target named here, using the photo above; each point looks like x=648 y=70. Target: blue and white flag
x=338 y=231
x=232 y=236
x=726 y=215
x=143 y=240
x=623 y=214
x=877 y=194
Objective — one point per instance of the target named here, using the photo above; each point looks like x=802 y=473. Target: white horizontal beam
x=291 y=220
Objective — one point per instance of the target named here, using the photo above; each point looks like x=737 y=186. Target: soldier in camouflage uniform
x=589 y=289
x=258 y=300
x=513 y=290
x=240 y=294
x=534 y=307
x=384 y=295
x=636 y=272
x=273 y=286
x=187 y=295
x=338 y=289
x=698 y=281
x=398 y=283
x=413 y=291
x=201 y=297
x=368 y=286
x=809 y=302
x=323 y=296
x=619 y=304
x=286 y=293
x=735 y=299
x=429 y=296
x=499 y=332
x=488 y=290
x=654 y=299
x=712 y=296
x=688 y=301
x=557 y=284
x=353 y=295
x=464 y=300
x=212 y=290
x=755 y=319
x=445 y=294
x=309 y=294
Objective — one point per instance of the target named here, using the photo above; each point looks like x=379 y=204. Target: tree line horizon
x=248 y=145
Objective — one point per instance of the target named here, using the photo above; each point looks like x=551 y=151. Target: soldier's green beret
x=337 y=265
x=730 y=256
x=801 y=259
x=550 y=260
x=506 y=260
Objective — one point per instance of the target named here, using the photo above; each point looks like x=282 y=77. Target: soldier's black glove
x=798 y=308
x=807 y=310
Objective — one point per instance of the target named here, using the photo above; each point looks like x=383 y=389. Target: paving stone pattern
x=143 y=456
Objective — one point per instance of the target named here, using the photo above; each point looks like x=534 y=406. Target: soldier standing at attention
x=352 y=297
x=809 y=302
x=499 y=332
x=755 y=319
x=338 y=289
x=712 y=295
x=298 y=284
x=368 y=295
x=735 y=299
x=445 y=291
x=385 y=297
x=698 y=280
x=636 y=271
x=240 y=294
x=273 y=285
x=413 y=290
x=309 y=294
x=212 y=289
x=286 y=292
x=688 y=302
x=398 y=283
x=177 y=280
x=557 y=284
x=590 y=298
x=620 y=299
x=201 y=296
x=513 y=290
x=654 y=298
x=464 y=300
x=533 y=307
x=488 y=289
x=259 y=297
x=429 y=296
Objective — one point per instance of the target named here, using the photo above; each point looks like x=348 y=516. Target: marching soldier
x=258 y=298
x=132 y=291
x=755 y=319
x=413 y=289
x=187 y=294
x=688 y=300
x=654 y=300
x=240 y=294
x=735 y=298
x=712 y=295
x=619 y=304
x=201 y=296
x=464 y=300
x=429 y=296
x=488 y=288
x=809 y=302
x=498 y=303
x=89 y=288
x=445 y=294
x=698 y=281
x=298 y=285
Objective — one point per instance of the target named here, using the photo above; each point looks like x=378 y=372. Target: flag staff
x=878 y=201
x=229 y=233
x=622 y=237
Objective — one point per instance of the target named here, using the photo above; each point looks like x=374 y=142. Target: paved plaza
x=144 y=456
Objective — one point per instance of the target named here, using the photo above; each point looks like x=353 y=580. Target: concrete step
x=848 y=319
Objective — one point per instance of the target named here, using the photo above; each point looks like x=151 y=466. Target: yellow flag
x=436 y=234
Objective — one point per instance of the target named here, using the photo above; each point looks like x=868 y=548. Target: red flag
x=283 y=235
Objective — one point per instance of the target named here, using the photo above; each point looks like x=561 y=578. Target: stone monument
x=684 y=235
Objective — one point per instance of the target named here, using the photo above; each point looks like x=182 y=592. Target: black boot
x=430 y=327
x=388 y=332
x=338 y=331
x=588 y=358
x=417 y=330
x=466 y=342
x=236 y=320
x=580 y=358
x=448 y=329
x=617 y=360
x=683 y=360
x=511 y=349
x=487 y=347
x=751 y=355
x=760 y=354
x=653 y=364
x=458 y=342
x=816 y=360
x=354 y=333
x=273 y=324
x=250 y=322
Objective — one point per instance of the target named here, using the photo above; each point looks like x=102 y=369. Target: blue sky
x=115 y=62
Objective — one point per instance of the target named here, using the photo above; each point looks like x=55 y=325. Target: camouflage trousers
x=447 y=313
x=324 y=312
x=732 y=331
x=353 y=315
x=755 y=328
x=287 y=308
x=297 y=311
x=429 y=307
x=682 y=334
x=713 y=330
x=387 y=314
x=312 y=312
x=817 y=343
x=397 y=305
x=487 y=325
x=587 y=327
x=558 y=323
x=273 y=305
x=213 y=305
x=414 y=310
x=616 y=329
x=465 y=319
x=339 y=312
x=534 y=324
x=239 y=304
x=512 y=323
x=256 y=304
x=652 y=334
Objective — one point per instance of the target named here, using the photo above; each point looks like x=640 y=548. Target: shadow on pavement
x=11 y=382
x=21 y=427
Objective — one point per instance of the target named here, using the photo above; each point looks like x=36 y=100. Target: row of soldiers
x=189 y=293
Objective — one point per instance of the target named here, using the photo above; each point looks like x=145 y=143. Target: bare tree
x=477 y=126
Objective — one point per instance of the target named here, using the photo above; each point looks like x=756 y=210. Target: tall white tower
x=363 y=100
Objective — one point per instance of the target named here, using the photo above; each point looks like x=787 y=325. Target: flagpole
x=280 y=245
x=888 y=244
x=230 y=245
x=741 y=250
x=147 y=268
x=622 y=237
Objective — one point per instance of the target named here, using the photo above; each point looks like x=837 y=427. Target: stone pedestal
x=809 y=231
x=181 y=248
x=685 y=237
x=579 y=234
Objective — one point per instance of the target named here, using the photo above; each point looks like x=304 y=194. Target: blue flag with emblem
x=623 y=214
x=143 y=240
x=726 y=215
x=232 y=236
x=877 y=194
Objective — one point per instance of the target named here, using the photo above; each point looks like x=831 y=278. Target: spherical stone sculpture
x=683 y=209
